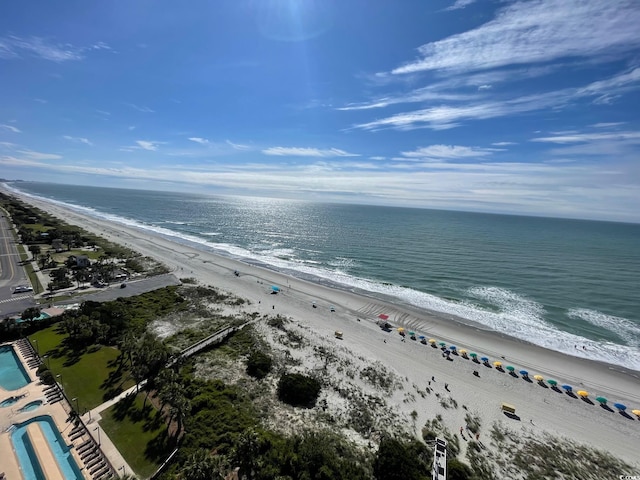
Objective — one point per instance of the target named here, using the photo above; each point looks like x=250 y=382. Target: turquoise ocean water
x=555 y=282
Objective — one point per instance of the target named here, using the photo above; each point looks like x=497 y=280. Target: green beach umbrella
x=602 y=400
x=442 y=344
x=552 y=382
x=510 y=368
x=473 y=354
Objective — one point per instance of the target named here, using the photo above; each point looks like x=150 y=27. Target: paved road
x=12 y=273
x=134 y=287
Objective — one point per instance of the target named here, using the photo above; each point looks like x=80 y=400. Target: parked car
x=123 y=285
x=22 y=289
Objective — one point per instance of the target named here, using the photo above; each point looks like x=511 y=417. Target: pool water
x=10 y=401
x=31 y=406
x=26 y=454
x=12 y=374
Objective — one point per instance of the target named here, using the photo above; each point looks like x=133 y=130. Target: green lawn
x=91 y=376
x=138 y=432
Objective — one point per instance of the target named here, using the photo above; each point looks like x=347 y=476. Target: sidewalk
x=92 y=418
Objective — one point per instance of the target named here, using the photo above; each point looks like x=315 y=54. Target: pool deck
x=89 y=456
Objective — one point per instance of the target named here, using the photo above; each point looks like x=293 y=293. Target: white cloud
x=536 y=31
x=201 y=141
x=140 y=108
x=12 y=46
x=377 y=158
x=238 y=146
x=607 y=124
x=147 y=145
x=131 y=128
x=11 y=128
x=503 y=144
x=590 y=137
x=484 y=87
x=444 y=116
x=39 y=155
x=102 y=112
x=447 y=152
x=78 y=140
x=307 y=152
x=460 y=4
x=40 y=100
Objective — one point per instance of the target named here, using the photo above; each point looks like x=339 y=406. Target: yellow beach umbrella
x=497 y=364
x=401 y=329
x=636 y=412
x=432 y=340
x=538 y=377
x=462 y=351
x=583 y=393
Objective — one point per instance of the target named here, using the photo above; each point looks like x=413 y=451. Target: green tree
x=298 y=390
x=258 y=364
x=31 y=313
x=397 y=460
x=35 y=251
x=201 y=465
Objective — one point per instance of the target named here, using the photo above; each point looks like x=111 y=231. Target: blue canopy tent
x=274 y=289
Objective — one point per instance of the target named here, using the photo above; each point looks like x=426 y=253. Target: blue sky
x=502 y=106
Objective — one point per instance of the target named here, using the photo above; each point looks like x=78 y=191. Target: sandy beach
x=540 y=409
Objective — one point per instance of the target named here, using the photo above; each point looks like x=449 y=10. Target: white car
x=22 y=289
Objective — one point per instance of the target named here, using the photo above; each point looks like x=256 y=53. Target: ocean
x=554 y=282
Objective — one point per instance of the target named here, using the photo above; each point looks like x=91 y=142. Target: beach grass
x=91 y=376
x=139 y=432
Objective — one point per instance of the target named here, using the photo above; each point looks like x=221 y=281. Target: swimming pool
x=26 y=454
x=31 y=406
x=12 y=374
x=11 y=400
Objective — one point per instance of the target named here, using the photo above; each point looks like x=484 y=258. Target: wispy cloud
x=77 y=139
x=460 y=4
x=39 y=155
x=448 y=152
x=103 y=112
x=148 y=145
x=201 y=141
x=535 y=32
x=449 y=116
x=607 y=124
x=589 y=137
x=307 y=152
x=238 y=146
x=11 y=128
x=40 y=100
x=12 y=46
x=503 y=144
x=140 y=108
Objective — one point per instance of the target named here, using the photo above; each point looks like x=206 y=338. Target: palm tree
x=201 y=465
x=35 y=251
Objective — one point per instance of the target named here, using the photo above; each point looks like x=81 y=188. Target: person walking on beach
x=433 y=378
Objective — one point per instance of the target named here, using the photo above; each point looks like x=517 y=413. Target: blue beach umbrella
x=620 y=406
x=422 y=337
x=524 y=372
x=485 y=359
x=568 y=388
x=452 y=347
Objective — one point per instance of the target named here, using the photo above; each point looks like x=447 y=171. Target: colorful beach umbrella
x=400 y=329
x=583 y=393
x=602 y=400
x=462 y=350
x=485 y=359
x=473 y=354
x=539 y=378
x=497 y=364
x=453 y=347
x=510 y=368
x=524 y=373
x=636 y=412
x=442 y=344
x=383 y=316
x=422 y=337
x=552 y=382
x=568 y=388
x=432 y=340
x=620 y=406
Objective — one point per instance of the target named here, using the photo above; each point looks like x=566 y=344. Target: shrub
x=456 y=470
x=298 y=390
x=258 y=364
